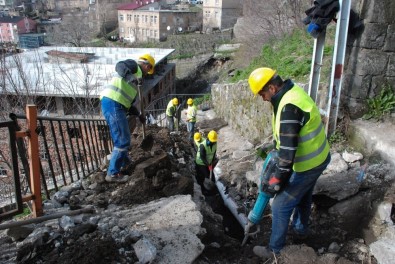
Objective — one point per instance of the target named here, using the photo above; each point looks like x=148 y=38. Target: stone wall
x=250 y=116
x=369 y=64
x=370 y=60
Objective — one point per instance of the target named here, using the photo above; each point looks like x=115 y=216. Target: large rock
x=171 y=225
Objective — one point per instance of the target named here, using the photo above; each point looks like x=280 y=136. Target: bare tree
x=75 y=30
x=264 y=20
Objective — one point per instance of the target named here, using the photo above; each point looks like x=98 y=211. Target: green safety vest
x=197 y=143
x=191 y=113
x=120 y=91
x=209 y=153
x=171 y=109
x=313 y=147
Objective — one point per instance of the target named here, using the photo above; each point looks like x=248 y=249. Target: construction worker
x=191 y=117
x=303 y=154
x=198 y=139
x=171 y=113
x=206 y=159
x=117 y=100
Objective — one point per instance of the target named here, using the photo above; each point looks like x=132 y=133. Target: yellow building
x=150 y=22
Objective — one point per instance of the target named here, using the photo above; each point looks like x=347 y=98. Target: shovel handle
x=141 y=106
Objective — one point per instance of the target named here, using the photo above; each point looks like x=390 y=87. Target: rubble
x=160 y=215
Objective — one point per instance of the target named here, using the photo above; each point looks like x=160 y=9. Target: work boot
x=297 y=235
x=263 y=252
x=117 y=178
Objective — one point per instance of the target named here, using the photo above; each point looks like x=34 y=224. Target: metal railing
x=68 y=150
x=156 y=111
x=10 y=186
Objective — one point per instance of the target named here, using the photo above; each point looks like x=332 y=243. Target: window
x=151 y=19
x=121 y=30
x=120 y=17
x=155 y=33
x=164 y=20
x=155 y=19
x=129 y=17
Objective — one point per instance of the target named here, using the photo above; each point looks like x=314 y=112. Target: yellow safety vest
x=313 y=147
x=209 y=153
x=171 y=109
x=191 y=113
x=120 y=91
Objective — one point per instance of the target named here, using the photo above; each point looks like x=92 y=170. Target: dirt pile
x=167 y=171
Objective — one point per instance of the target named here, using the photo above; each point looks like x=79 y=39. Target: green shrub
x=381 y=105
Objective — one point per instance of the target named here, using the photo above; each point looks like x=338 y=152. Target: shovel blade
x=208 y=184
x=147 y=142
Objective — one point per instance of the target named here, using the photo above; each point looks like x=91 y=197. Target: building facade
x=11 y=27
x=152 y=23
x=221 y=14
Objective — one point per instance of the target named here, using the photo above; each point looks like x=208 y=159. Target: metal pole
x=337 y=66
x=316 y=65
x=31 y=119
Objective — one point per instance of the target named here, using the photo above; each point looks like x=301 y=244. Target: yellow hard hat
x=212 y=136
x=197 y=136
x=259 y=78
x=148 y=58
x=190 y=101
x=175 y=101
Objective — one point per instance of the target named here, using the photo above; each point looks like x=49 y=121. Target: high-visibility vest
x=313 y=146
x=197 y=143
x=191 y=113
x=210 y=151
x=120 y=91
x=171 y=109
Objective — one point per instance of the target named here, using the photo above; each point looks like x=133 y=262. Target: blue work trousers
x=191 y=129
x=296 y=197
x=115 y=115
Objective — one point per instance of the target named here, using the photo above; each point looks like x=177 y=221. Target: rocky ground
x=160 y=215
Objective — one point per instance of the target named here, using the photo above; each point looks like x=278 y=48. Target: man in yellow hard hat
x=191 y=117
x=171 y=113
x=117 y=101
x=198 y=139
x=303 y=154
x=206 y=159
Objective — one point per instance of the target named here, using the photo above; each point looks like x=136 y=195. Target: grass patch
x=291 y=56
x=381 y=105
x=26 y=212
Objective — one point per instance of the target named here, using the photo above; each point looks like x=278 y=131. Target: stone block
x=373 y=36
x=150 y=167
x=391 y=63
x=372 y=62
x=390 y=39
x=378 y=11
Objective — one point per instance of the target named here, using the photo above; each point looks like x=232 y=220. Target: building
x=220 y=14
x=151 y=22
x=67 y=81
x=12 y=26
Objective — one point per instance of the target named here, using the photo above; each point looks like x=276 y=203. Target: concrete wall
x=370 y=60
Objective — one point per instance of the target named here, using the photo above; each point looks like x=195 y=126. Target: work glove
x=142 y=119
x=280 y=178
x=210 y=167
x=266 y=148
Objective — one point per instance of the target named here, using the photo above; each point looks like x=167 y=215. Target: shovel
x=208 y=183
x=148 y=141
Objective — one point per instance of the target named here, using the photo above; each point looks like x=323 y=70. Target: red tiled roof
x=130 y=6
